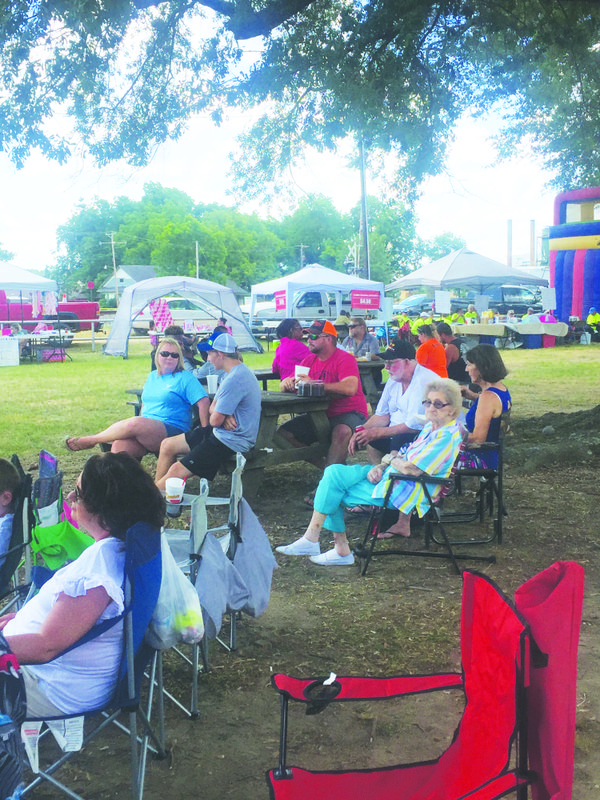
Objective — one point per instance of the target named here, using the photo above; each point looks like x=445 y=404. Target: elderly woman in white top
x=359 y=342
x=112 y=493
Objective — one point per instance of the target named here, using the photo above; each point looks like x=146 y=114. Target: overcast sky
x=473 y=199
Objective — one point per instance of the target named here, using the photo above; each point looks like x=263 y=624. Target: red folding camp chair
x=488 y=756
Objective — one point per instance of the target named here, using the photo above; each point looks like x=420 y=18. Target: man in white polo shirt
x=399 y=415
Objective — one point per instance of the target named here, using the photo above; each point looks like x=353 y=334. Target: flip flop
x=391 y=534
x=71 y=444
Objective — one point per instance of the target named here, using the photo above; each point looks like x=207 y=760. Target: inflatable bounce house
x=575 y=252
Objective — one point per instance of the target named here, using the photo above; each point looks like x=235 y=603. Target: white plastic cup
x=212 y=382
x=174 y=490
x=301 y=372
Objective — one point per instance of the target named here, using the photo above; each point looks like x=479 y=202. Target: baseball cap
x=223 y=342
x=399 y=349
x=322 y=326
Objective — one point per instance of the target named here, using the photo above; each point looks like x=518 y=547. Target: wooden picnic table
x=265 y=375
x=370 y=378
x=369 y=372
x=271 y=450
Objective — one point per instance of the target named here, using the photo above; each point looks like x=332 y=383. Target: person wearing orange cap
x=338 y=371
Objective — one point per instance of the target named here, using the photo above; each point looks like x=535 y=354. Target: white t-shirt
x=84 y=678
x=403 y=407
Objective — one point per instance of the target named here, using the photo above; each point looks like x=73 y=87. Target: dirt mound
x=553 y=438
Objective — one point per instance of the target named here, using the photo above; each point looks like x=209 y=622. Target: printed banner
x=280 y=304
x=364 y=298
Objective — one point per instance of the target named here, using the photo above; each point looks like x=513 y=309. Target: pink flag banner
x=161 y=314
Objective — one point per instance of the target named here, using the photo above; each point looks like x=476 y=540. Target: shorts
x=301 y=428
x=397 y=442
x=172 y=430
x=207 y=453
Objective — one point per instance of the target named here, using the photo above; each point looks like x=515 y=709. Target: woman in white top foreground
x=112 y=493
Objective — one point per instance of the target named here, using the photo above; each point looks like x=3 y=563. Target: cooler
x=533 y=341
x=547 y=340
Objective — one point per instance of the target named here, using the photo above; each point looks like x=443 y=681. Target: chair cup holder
x=319 y=695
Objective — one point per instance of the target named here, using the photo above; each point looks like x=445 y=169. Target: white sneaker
x=332 y=559
x=301 y=547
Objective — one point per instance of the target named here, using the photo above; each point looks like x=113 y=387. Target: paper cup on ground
x=174 y=490
x=301 y=372
x=212 y=382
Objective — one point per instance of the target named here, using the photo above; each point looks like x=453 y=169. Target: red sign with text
x=280 y=301
x=364 y=298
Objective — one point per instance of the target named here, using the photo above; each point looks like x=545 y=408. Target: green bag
x=59 y=543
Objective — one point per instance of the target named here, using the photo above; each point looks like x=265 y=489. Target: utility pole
x=111 y=236
x=363 y=209
x=301 y=246
x=197 y=263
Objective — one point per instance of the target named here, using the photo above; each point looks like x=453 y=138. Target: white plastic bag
x=177 y=616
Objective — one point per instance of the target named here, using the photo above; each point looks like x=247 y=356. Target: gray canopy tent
x=215 y=300
x=465 y=269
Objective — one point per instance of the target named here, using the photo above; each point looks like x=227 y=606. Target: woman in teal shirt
x=167 y=400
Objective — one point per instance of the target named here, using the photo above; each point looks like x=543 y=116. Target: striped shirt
x=433 y=452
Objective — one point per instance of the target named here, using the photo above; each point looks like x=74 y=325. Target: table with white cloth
x=502 y=333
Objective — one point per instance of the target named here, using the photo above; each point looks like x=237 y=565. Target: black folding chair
x=489 y=496
x=434 y=529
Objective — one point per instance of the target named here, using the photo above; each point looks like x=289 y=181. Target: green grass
x=42 y=403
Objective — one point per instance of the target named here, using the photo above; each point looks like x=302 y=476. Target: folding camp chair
x=490 y=492
x=206 y=555
x=18 y=549
x=432 y=520
x=488 y=756
x=141 y=587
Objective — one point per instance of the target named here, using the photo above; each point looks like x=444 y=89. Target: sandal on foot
x=391 y=534
x=71 y=443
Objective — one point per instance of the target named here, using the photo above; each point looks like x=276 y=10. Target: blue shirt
x=239 y=394
x=169 y=398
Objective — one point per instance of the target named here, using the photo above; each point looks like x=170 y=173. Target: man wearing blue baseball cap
x=234 y=420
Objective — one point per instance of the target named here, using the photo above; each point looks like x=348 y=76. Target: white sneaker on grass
x=332 y=559
x=301 y=547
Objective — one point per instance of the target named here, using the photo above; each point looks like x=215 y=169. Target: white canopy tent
x=317 y=278
x=14 y=279
x=215 y=300
x=468 y=270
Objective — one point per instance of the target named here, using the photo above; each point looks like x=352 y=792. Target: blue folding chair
x=18 y=547
x=141 y=586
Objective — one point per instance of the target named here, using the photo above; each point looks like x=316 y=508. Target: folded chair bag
x=254 y=561
x=59 y=543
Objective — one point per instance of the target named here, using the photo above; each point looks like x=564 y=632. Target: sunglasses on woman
x=435 y=403
x=167 y=354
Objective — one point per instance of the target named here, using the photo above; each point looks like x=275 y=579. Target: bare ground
x=402 y=617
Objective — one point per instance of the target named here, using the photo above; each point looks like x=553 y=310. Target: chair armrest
x=423 y=478
x=367 y=688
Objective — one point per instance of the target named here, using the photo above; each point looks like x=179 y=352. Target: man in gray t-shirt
x=234 y=420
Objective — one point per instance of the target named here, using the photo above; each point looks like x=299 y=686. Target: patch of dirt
x=403 y=617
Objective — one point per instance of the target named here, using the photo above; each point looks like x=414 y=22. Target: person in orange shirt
x=431 y=354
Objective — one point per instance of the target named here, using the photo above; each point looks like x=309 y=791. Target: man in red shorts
x=338 y=370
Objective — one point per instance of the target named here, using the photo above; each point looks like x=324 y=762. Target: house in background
x=126 y=276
